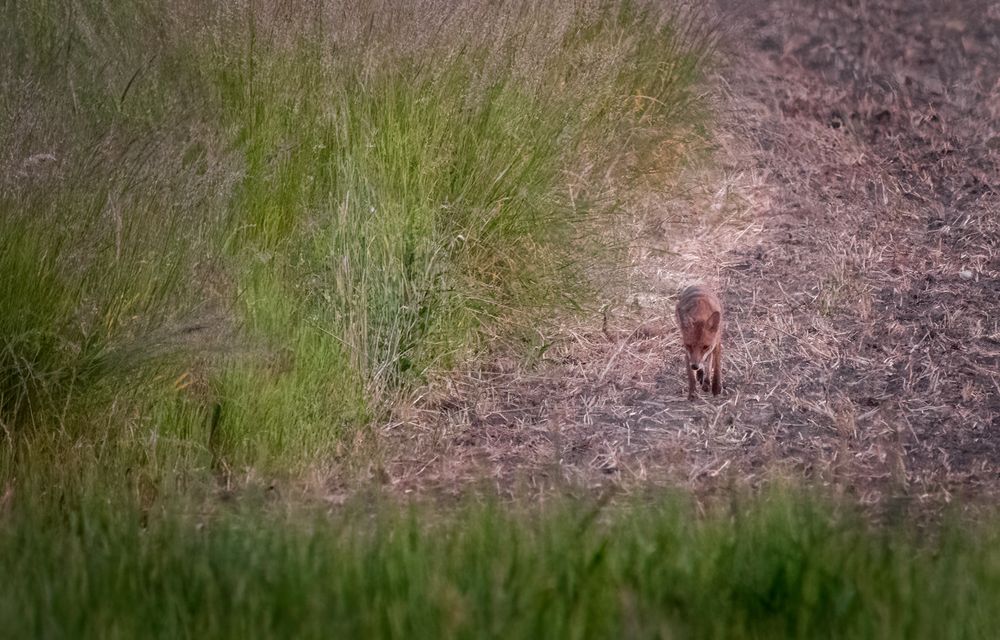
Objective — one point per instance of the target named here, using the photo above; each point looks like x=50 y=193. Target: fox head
x=700 y=339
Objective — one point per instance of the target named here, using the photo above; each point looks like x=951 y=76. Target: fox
x=699 y=316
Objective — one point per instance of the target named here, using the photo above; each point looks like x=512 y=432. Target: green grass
x=231 y=234
x=248 y=228
x=777 y=567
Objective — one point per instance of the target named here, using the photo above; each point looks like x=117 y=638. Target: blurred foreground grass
x=778 y=566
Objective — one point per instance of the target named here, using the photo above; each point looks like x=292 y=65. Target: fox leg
x=690 y=371
x=717 y=370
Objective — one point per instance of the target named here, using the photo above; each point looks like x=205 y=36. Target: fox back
x=699 y=317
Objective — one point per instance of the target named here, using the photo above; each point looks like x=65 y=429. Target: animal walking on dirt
x=699 y=316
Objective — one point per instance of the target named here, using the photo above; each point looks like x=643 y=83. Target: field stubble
x=849 y=220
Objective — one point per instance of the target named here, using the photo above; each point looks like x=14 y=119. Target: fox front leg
x=717 y=370
x=690 y=380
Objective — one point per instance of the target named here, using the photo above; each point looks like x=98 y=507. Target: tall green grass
x=245 y=226
x=778 y=567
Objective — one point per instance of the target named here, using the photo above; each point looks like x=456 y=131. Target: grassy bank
x=779 y=567
x=241 y=229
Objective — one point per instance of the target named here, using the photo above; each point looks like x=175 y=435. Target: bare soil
x=850 y=221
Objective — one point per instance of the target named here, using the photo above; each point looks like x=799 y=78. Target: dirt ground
x=851 y=222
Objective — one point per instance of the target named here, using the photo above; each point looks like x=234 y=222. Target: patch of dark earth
x=894 y=236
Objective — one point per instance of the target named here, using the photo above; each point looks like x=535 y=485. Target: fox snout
x=698 y=357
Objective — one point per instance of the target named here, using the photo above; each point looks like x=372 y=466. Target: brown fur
x=699 y=316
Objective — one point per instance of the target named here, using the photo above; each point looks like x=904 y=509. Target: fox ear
x=713 y=321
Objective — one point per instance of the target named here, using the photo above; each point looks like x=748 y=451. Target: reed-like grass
x=246 y=226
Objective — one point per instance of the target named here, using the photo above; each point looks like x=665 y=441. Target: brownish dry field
x=851 y=220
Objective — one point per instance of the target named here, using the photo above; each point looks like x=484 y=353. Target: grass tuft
x=249 y=226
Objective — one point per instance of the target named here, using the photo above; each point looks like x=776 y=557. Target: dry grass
x=850 y=221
